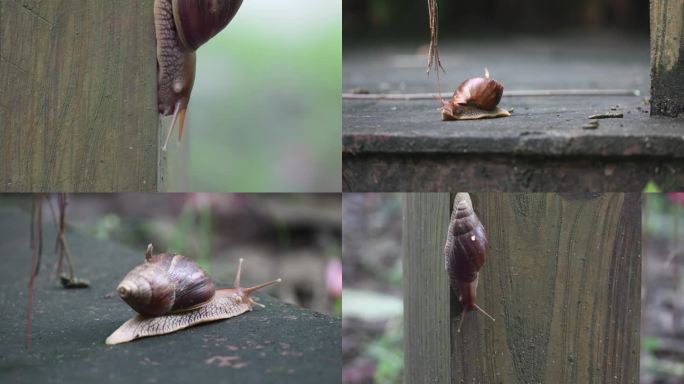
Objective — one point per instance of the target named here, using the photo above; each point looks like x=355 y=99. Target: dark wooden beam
x=667 y=57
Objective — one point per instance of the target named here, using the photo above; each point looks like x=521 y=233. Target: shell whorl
x=482 y=92
x=197 y=21
x=165 y=283
x=464 y=251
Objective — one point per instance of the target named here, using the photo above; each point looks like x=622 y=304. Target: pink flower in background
x=333 y=278
x=676 y=197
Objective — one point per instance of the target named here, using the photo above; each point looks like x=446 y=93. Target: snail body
x=171 y=292
x=464 y=253
x=475 y=98
x=182 y=26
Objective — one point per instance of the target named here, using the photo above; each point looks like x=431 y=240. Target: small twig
x=519 y=93
x=68 y=279
x=37 y=249
x=607 y=115
x=593 y=124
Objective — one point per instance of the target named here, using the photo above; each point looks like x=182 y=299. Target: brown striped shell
x=466 y=243
x=197 y=21
x=165 y=283
x=464 y=253
x=482 y=92
x=475 y=98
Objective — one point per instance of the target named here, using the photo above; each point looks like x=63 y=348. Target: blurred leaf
x=396 y=275
x=337 y=306
x=673 y=368
x=651 y=187
x=388 y=352
x=104 y=227
x=658 y=216
x=370 y=306
x=650 y=343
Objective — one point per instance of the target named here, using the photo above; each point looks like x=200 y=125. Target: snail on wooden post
x=464 y=253
x=182 y=26
x=171 y=292
x=475 y=98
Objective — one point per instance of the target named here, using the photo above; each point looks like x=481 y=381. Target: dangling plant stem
x=69 y=280
x=36 y=251
x=433 y=52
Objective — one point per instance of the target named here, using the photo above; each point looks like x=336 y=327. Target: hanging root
x=36 y=252
x=68 y=279
x=433 y=52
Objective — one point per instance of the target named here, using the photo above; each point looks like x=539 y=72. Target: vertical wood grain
x=78 y=96
x=562 y=278
x=426 y=288
x=667 y=57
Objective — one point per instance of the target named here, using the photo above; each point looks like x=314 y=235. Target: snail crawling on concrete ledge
x=171 y=292
x=475 y=98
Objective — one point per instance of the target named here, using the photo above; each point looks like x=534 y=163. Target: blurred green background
x=662 y=304
x=265 y=111
x=293 y=236
x=372 y=316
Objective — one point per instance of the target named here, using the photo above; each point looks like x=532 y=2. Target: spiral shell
x=464 y=254
x=165 y=283
x=466 y=243
x=482 y=92
x=475 y=98
x=197 y=21
x=172 y=293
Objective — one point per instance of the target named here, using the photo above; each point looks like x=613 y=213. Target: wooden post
x=78 y=96
x=562 y=278
x=667 y=57
x=426 y=288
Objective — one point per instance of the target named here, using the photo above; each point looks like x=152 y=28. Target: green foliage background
x=265 y=112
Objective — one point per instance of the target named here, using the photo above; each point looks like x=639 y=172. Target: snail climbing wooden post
x=182 y=26
x=562 y=278
x=464 y=254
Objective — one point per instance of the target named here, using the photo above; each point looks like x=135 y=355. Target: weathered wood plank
x=562 y=278
x=78 y=96
x=426 y=288
x=667 y=57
